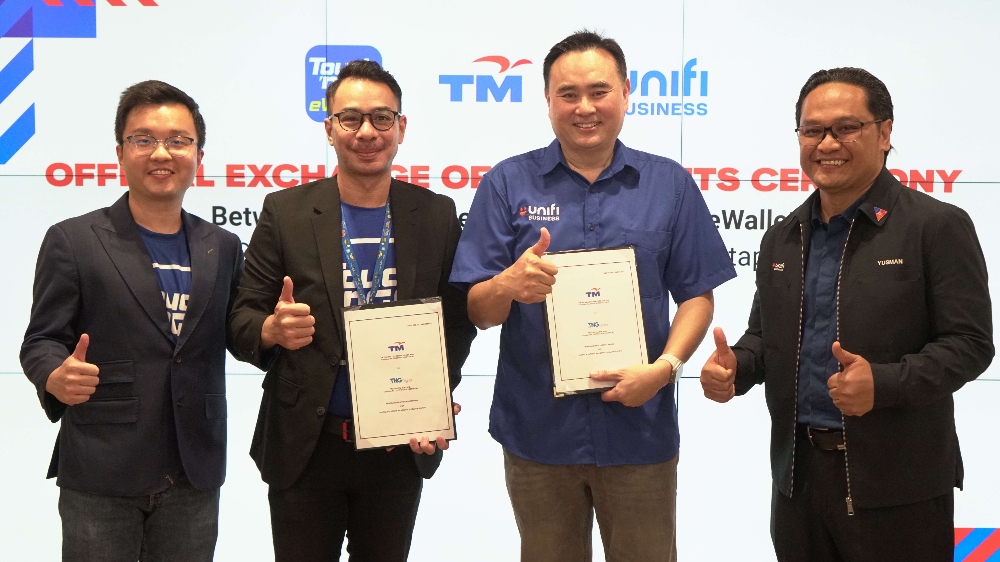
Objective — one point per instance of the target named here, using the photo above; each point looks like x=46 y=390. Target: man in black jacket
x=315 y=250
x=872 y=308
x=127 y=348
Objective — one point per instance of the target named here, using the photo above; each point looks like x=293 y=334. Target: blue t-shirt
x=172 y=264
x=643 y=200
x=364 y=226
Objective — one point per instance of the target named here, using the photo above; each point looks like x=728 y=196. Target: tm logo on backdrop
x=323 y=64
x=485 y=86
x=676 y=92
x=36 y=19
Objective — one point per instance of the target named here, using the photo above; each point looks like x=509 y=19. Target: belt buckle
x=809 y=434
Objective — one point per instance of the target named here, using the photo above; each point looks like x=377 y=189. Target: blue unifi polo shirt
x=643 y=200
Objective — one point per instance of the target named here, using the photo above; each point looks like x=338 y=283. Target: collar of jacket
x=883 y=194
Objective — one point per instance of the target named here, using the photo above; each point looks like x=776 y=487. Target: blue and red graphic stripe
x=977 y=545
x=32 y=19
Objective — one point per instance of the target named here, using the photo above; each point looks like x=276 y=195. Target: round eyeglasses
x=351 y=119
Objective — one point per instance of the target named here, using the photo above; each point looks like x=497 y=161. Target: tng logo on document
x=322 y=65
x=543 y=214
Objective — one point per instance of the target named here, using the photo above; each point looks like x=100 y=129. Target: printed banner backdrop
x=714 y=83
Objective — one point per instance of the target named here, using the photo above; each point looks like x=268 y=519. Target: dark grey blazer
x=155 y=404
x=298 y=235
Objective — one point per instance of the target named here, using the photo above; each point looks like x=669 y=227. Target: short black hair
x=585 y=40
x=369 y=71
x=876 y=94
x=154 y=92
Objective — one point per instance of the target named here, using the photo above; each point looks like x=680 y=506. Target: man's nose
x=829 y=142
x=160 y=152
x=367 y=130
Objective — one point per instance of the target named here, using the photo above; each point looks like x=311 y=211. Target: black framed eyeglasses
x=351 y=119
x=144 y=145
x=843 y=132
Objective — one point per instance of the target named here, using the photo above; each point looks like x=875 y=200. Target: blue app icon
x=322 y=66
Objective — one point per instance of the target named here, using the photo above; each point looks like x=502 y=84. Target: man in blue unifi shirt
x=358 y=237
x=873 y=310
x=613 y=453
x=127 y=348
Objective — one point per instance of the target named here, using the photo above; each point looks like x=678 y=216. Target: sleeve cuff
x=886 y=386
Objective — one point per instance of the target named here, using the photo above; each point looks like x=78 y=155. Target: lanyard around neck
x=366 y=297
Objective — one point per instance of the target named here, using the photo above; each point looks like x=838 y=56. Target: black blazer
x=156 y=404
x=298 y=235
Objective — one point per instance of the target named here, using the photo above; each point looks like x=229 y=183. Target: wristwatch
x=677 y=365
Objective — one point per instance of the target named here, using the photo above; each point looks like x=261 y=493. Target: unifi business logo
x=322 y=66
x=544 y=214
x=32 y=20
x=676 y=92
x=485 y=86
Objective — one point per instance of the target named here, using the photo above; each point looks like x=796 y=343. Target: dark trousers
x=813 y=525
x=371 y=496
x=179 y=523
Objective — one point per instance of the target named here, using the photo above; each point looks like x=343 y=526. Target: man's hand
x=291 y=326
x=853 y=389
x=634 y=385
x=75 y=380
x=530 y=278
x=427 y=447
x=718 y=376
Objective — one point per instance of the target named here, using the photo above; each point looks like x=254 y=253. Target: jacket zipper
x=847 y=466
x=798 y=354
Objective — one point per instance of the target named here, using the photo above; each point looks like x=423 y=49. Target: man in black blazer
x=127 y=348
x=315 y=250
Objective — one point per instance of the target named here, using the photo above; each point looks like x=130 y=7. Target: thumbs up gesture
x=530 y=278
x=291 y=326
x=74 y=380
x=718 y=376
x=853 y=389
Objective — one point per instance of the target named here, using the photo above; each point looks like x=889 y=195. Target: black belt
x=341 y=427
x=823 y=438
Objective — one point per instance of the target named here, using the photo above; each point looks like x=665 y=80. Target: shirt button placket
x=591 y=218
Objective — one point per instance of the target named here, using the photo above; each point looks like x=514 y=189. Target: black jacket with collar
x=298 y=235
x=913 y=300
x=157 y=403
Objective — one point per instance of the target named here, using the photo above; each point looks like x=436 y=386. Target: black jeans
x=370 y=495
x=813 y=525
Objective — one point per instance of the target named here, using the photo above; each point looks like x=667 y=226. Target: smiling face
x=587 y=101
x=848 y=168
x=367 y=152
x=159 y=177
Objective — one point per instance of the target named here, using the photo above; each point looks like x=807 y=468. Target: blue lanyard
x=366 y=297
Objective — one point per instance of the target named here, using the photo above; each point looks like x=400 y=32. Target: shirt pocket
x=652 y=249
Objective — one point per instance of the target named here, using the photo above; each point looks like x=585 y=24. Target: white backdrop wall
x=714 y=87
